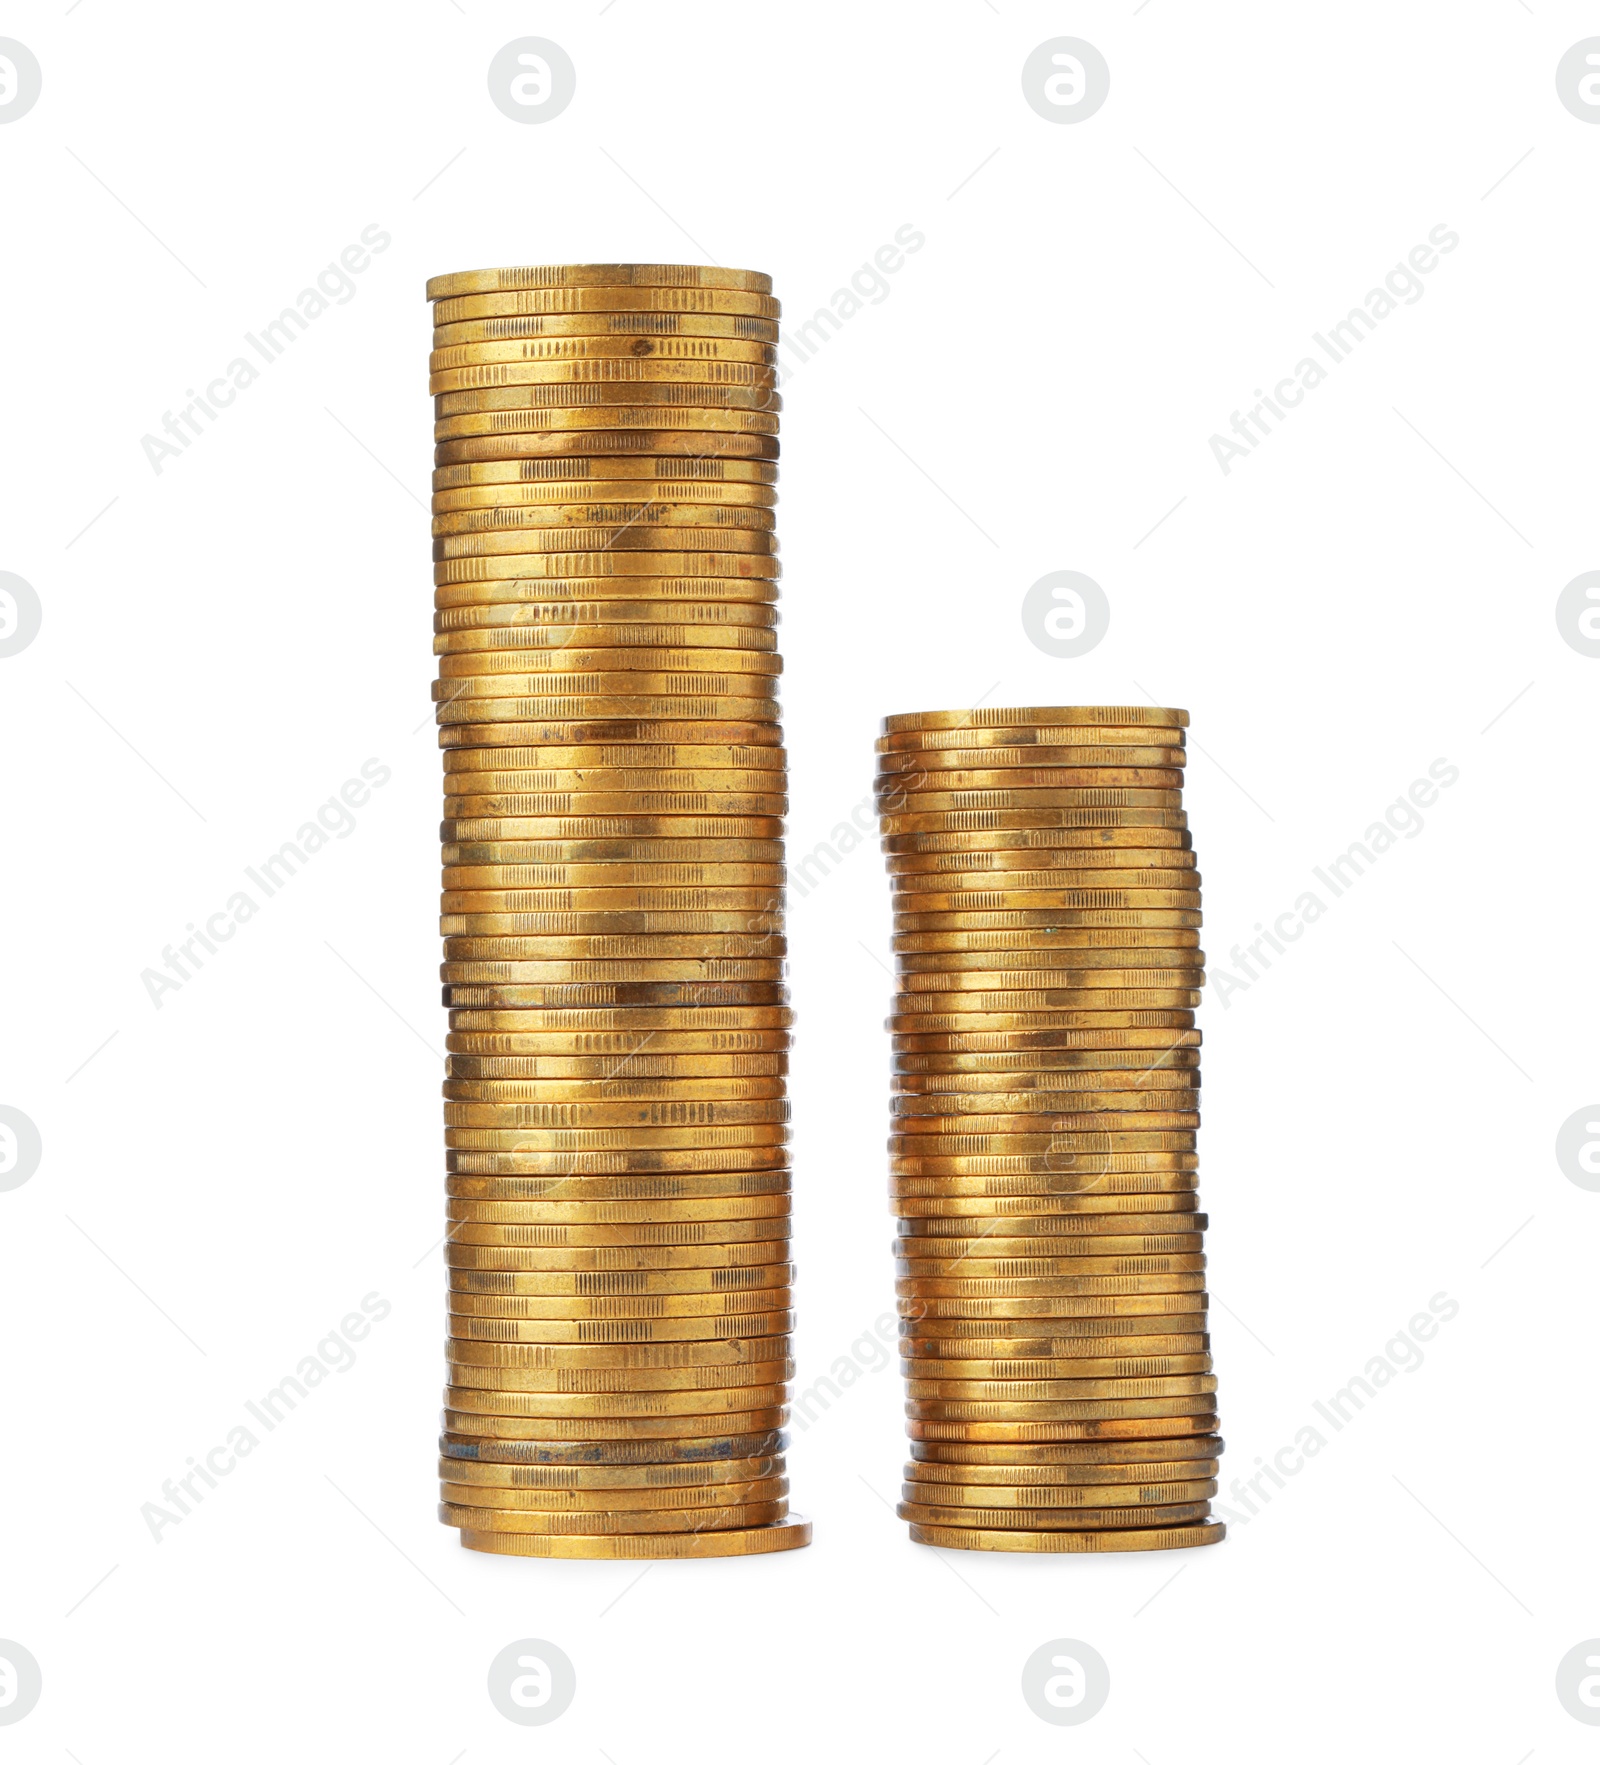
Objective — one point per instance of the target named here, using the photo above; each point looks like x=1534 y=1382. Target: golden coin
x=550 y=858
x=931 y=811
x=525 y=404
x=592 y=898
x=910 y=890
x=560 y=601
x=697 y=1074
x=1041 y=1370
x=1073 y=1521
x=479 y=1327
x=696 y=1443
x=1073 y=945
x=1117 y=1113
x=1067 y=1068
x=630 y=327
x=1007 y=1045
x=602 y=348
x=706 y=565
x=606 y=1439
x=626 y=731
x=610 y=297
x=702 y=444
x=1057 y=1485
x=641 y=1112
x=638 y=537
x=625 y=1284
x=1046 y=1263
x=628 y=1482
x=588 y=995
x=473 y=1228
x=1115 y=1110
x=1093 y=1228
x=615 y=1161
x=616 y=1356
x=790 y=1533
x=1150 y=787
x=974 y=1412
x=912 y=763
x=616 y=1258
x=616 y=922
x=530 y=1199
x=709 y=971
x=511 y=805
x=1039 y=1357
x=536 y=878
x=643 y=1191
x=636 y=759
x=669 y=470
x=924 y=919
x=968 y=1435
x=1071 y=1455
x=976 y=901
x=921 y=970
x=1032 y=1136
x=1080 y=1543
x=912 y=872
x=974 y=992
x=616 y=1048
x=1133 y=1314
x=1065 y=1387
x=632 y=1522
x=638 y=373
x=666 y=674
x=943 y=1210
x=1074 y=1190
x=499 y=647
x=1041 y=735
x=912 y=1030
x=977 y=1285
x=617 y=1139
x=728 y=415
x=615 y=1390
x=620 y=1503
x=1059 y=831
x=1143 y=1317
x=1066 y=716
x=734 y=1030
x=477 y=717
x=620 y=1405
x=500 y=281
x=924 y=1093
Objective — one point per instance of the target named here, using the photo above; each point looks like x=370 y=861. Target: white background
x=1368 y=592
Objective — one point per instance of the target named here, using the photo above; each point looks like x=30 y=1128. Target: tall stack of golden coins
x=606 y=580
x=1046 y=1090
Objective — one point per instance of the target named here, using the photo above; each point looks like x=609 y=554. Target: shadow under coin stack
x=1046 y=1084
x=615 y=1108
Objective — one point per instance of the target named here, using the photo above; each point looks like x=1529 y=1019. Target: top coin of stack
x=605 y=578
x=1046 y=1090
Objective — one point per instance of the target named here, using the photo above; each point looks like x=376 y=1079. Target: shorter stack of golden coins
x=605 y=577
x=1046 y=1090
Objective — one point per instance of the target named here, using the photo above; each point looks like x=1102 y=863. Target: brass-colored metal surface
x=612 y=910
x=1046 y=1087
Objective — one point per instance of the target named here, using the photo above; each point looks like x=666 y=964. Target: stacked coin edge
x=615 y=783
x=1050 y=1265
